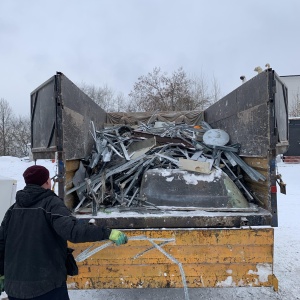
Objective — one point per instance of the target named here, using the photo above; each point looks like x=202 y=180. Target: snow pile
x=14 y=168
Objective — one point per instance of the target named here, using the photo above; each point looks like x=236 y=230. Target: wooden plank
x=72 y=165
x=261 y=189
x=195 y=166
x=258 y=163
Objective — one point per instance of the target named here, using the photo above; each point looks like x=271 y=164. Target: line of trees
x=14 y=132
x=105 y=97
x=156 y=90
x=159 y=90
x=175 y=92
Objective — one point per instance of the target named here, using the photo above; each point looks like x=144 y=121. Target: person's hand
x=118 y=237
x=1 y=283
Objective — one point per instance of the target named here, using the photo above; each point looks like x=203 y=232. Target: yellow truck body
x=208 y=257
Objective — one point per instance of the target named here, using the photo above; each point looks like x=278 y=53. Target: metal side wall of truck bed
x=256 y=116
x=60 y=119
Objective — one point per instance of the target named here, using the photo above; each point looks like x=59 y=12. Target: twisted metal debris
x=112 y=175
x=87 y=253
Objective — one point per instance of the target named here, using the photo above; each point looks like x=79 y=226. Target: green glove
x=1 y=283
x=118 y=237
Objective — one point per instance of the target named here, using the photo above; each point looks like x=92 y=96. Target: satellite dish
x=216 y=137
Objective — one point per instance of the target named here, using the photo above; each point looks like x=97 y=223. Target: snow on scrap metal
x=123 y=156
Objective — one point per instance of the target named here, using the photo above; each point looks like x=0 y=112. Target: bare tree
x=157 y=90
x=215 y=91
x=200 y=92
x=120 y=103
x=14 y=132
x=5 y=127
x=178 y=91
x=21 y=136
x=105 y=97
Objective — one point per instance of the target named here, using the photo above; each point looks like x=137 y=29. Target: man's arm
x=72 y=229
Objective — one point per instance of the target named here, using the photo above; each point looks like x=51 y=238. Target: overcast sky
x=113 y=42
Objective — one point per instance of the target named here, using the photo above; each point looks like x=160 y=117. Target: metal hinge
x=281 y=184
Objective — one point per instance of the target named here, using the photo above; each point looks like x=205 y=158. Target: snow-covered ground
x=286 y=255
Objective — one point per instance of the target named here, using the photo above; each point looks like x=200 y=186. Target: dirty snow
x=263 y=271
x=286 y=252
x=170 y=179
x=194 y=179
x=226 y=283
x=188 y=177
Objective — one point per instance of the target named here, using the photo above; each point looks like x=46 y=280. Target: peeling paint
x=241 y=282
x=202 y=281
x=263 y=272
x=72 y=285
x=226 y=283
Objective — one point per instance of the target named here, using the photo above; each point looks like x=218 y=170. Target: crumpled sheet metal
x=120 y=158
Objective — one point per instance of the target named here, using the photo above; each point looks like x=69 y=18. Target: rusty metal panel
x=184 y=219
x=78 y=111
x=43 y=120
x=254 y=115
x=60 y=119
x=244 y=115
x=189 y=258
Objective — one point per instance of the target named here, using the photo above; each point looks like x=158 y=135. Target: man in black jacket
x=33 y=240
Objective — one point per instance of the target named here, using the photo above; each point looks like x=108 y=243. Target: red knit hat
x=36 y=175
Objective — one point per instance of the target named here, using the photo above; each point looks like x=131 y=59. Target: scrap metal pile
x=113 y=173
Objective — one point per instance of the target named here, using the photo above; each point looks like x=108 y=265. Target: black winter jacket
x=33 y=242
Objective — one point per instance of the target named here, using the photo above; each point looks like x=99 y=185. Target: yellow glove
x=118 y=237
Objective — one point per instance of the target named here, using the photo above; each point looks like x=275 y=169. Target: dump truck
x=183 y=247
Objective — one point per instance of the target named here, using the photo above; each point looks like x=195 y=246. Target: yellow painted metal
x=209 y=257
x=275 y=283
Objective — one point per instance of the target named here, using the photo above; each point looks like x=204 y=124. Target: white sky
x=114 y=42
